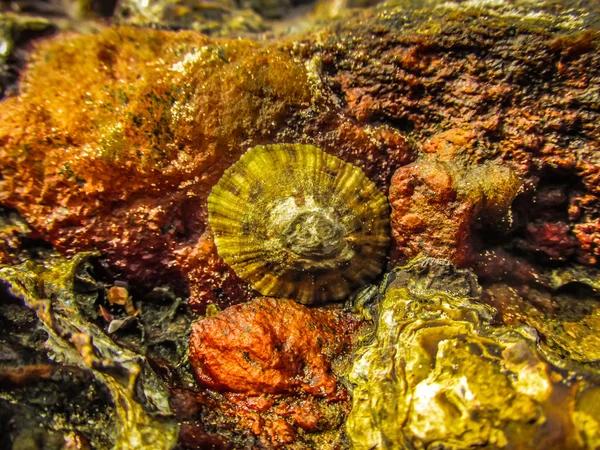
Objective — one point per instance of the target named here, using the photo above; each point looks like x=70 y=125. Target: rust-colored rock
x=124 y=158
x=439 y=200
x=210 y=280
x=426 y=215
x=528 y=103
x=272 y=360
x=269 y=346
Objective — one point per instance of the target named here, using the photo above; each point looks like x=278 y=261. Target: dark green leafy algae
x=440 y=371
x=78 y=385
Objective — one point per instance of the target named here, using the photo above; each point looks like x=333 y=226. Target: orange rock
x=118 y=137
x=426 y=218
x=271 y=363
x=439 y=200
x=270 y=346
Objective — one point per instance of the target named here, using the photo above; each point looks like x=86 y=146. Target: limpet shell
x=298 y=223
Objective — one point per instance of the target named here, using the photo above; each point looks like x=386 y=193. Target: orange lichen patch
x=117 y=138
x=270 y=346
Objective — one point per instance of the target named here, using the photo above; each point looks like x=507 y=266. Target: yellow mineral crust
x=299 y=223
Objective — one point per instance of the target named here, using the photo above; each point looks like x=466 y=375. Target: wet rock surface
x=133 y=153
x=450 y=86
x=270 y=346
x=438 y=205
x=440 y=368
x=478 y=120
x=107 y=396
x=272 y=360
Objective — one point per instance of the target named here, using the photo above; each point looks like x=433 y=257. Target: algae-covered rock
x=127 y=156
x=155 y=141
x=439 y=371
x=485 y=92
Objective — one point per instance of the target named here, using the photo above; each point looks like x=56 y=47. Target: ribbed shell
x=296 y=222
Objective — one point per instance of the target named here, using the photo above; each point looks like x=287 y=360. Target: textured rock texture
x=472 y=86
x=479 y=120
x=272 y=359
x=124 y=159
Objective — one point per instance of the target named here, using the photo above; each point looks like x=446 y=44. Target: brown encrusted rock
x=124 y=159
x=439 y=200
x=273 y=346
x=522 y=91
x=426 y=216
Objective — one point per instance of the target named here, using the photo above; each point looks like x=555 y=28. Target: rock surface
x=438 y=204
x=123 y=160
x=272 y=359
x=481 y=121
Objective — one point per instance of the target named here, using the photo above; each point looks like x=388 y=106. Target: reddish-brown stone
x=210 y=280
x=552 y=239
x=440 y=200
x=481 y=92
x=124 y=159
x=271 y=361
x=426 y=218
x=269 y=345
